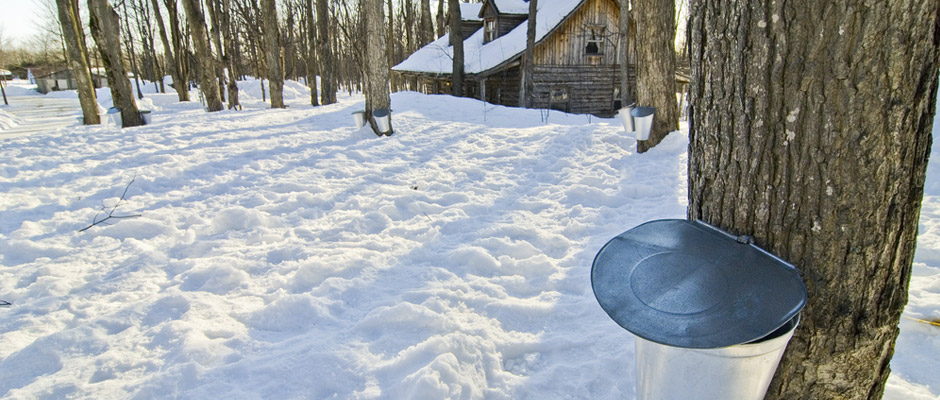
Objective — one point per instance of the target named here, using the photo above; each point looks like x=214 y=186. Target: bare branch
x=111 y=215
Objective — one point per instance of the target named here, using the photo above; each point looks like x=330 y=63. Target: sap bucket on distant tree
x=643 y=121
x=145 y=115
x=114 y=117
x=383 y=120
x=626 y=118
x=359 y=118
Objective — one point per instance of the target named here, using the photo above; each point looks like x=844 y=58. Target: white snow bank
x=286 y=254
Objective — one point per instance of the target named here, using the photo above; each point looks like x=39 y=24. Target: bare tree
x=311 y=51
x=78 y=59
x=376 y=68
x=272 y=52
x=441 y=19
x=456 y=40
x=626 y=91
x=656 y=66
x=325 y=54
x=197 y=29
x=822 y=162
x=106 y=29
x=529 y=67
x=229 y=57
x=426 y=31
x=171 y=52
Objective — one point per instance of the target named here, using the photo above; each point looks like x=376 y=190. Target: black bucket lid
x=688 y=284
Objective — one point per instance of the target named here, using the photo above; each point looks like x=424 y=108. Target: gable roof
x=436 y=57
x=512 y=6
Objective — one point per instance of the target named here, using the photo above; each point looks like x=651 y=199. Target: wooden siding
x=567 y=45
x=503 y=87
x=590 y=88
x=504 y=22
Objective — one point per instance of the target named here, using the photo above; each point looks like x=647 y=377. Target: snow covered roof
x=512 y=6
x=436 y=57
x=470 y=11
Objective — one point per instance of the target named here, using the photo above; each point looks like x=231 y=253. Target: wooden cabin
x=577 y=64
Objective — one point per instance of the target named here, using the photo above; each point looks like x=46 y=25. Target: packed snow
x=287 y=254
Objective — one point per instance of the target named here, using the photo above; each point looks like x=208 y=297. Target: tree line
x=211 y=44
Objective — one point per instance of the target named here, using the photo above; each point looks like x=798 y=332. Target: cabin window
x=595 y=40
x=489 y=30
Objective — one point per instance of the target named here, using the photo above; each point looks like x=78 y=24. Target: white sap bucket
x=359 y=118
x=626 y=118
x=145 y=115
x=643 y=121
x=383 y=120
x=114 y=117
x=740 y=372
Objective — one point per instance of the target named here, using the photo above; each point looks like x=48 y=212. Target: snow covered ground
x=284 y=254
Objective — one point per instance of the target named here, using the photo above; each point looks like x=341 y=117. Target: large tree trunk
x=105 y=28
x=327 y=80
x=810 y=131
x=272 y=53
x=197 y=31
x=376 y=66
x=78 y=59
x=179 y=83
x=528 y=73
x=456 y=39
x=656 y=66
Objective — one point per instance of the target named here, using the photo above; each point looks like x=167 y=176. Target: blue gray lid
x=380 y=112
x=689 y=284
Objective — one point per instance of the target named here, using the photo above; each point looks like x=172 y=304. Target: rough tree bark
x=272 y=53
x=376 y=69
x=656 y=66
x=325 y=54
x=456 y=41
x=197 y=31
x=78 y=59
x=105 y=29
x=179 y=82
x=810 y=130
x=311 y=51
x=528 y=85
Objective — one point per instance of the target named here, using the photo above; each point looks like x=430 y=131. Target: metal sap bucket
x=383 y=120
x=359 y=118
x=711 y=311
x=643 y=121
x=145 y=115
x=626 y=117
x=114 y=117
x=741 y=371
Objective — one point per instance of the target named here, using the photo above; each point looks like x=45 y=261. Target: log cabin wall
x=503 y=87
